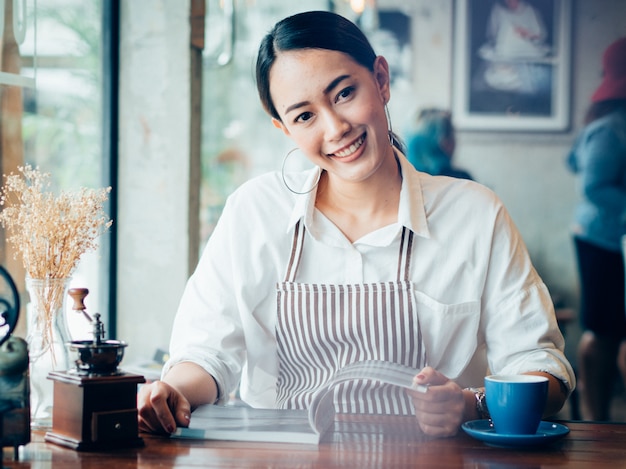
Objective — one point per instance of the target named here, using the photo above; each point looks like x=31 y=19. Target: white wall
x=154 y=170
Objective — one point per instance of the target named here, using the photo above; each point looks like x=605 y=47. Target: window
x=62 y=123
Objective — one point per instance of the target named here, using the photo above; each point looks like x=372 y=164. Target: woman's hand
x=440 y=410
x=162 y=408
x=164 y=405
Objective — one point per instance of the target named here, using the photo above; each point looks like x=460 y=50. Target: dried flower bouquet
x=50 y=231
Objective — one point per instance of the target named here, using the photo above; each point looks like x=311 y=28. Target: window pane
x=62 y=125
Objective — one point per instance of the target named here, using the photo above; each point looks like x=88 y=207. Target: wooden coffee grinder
x=95 y=404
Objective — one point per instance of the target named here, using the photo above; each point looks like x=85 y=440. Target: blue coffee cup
x=516 y=402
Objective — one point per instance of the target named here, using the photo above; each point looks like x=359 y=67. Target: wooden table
x=386 y=445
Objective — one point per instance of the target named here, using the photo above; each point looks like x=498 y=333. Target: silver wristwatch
x=481 y=403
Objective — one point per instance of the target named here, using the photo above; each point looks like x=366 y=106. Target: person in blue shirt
x=599 y=160
x=430 y=147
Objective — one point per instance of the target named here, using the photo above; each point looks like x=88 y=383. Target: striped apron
x=321 y=328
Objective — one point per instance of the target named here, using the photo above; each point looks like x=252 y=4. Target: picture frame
x=512 y=66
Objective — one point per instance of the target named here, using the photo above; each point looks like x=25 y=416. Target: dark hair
x=602 y=108
x=311 y=30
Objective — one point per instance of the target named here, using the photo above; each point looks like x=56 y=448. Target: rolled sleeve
x=521 y=331
x=524 y=336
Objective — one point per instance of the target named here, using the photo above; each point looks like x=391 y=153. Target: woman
x=599 y=159
x=360 y=258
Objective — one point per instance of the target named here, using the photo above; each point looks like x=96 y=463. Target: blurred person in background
x=598 y=158
x=430 y=147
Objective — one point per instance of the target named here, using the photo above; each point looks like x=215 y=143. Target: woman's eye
x=345 y=93
x=305 y=116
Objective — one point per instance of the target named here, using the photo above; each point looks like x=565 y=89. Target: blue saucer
x=483 y=430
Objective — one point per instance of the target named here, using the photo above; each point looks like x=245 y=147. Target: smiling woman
x=339 y=123
x=292 y=287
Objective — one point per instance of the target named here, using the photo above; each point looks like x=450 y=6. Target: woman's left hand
x=439 y=410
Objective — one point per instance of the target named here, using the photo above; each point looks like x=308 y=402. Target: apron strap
x=404 y=259
x=296 y=252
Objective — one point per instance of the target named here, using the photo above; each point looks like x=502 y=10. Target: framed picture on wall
x=512 y=65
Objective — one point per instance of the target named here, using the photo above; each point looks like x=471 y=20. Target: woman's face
x=333 y=109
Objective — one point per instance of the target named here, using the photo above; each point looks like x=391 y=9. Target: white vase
x=47 y=338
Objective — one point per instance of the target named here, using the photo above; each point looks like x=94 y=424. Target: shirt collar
x=411 y=210
x=305 y=202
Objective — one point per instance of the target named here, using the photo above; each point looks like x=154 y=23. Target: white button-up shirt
x=477 y=292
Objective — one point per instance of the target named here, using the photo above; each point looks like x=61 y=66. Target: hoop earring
x=282 y=173
x=391 y=135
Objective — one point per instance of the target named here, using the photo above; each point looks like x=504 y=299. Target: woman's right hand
x=162 y=408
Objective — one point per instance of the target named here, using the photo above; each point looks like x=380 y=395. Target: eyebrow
x=327 y=90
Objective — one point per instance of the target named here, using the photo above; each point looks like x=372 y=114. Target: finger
x=149 y=423
x=429 y=375
x=443 y=398
x=183 y=414
x=434 y=407
x=162 y=412
x=154 y=407
x=147 y=419
x=439 y=424
x=425 y=375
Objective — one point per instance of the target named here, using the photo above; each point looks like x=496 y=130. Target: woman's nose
x=336 y=126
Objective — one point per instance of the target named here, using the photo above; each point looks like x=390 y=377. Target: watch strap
x=481 y=403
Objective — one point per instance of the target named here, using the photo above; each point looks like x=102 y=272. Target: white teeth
x=354 y=147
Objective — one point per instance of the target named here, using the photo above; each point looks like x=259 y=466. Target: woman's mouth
x=350 y=149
